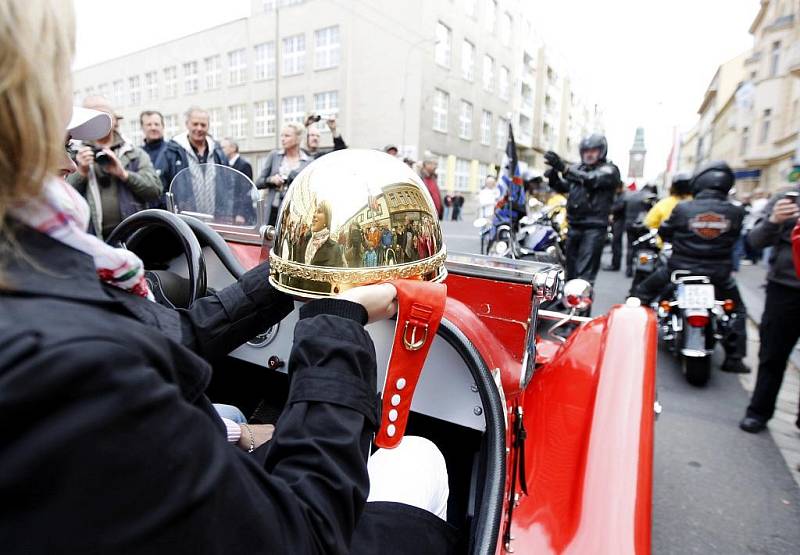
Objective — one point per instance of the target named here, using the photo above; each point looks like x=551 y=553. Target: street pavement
x=716 y=490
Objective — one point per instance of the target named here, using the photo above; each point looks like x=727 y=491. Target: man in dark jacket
x=152 y=123
x=636 y=205
x=590 y=185
x=703 y=233
x=780 y=322
x=313 y=135
x=231 y=150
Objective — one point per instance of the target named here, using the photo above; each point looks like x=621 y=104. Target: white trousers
x=413 y=473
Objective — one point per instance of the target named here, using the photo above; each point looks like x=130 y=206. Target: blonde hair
x=296 y=127
x=37 y=42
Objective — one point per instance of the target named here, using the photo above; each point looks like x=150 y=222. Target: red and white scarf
x=63 y=214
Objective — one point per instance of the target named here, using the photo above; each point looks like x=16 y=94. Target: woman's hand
x=84 y=159
x=276 y=180
x=379 y=300
x=262 y=433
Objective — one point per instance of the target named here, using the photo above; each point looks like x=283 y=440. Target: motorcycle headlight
x=500 y=248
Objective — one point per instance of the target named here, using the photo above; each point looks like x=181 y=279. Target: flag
x=509 y=167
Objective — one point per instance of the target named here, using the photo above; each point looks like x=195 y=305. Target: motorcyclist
x=678 y=192
x=636 y=206
x=590 y=185
x=703 y=232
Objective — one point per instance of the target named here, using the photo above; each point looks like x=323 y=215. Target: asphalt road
x=717 y=490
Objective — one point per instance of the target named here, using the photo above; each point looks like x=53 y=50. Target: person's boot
x=752 y=425
x=628 y=272
x=735 y=366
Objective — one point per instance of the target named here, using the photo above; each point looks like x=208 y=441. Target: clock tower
x=637 y=153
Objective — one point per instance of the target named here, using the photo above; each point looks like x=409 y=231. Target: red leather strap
x=420 y=305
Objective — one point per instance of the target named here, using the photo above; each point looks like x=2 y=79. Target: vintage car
x=547 y=433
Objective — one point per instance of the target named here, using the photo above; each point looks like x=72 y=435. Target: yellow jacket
x=659 y=213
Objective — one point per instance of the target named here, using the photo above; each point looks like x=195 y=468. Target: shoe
x=735 y=366
x=628 y=272
x=752 y=425
x=611 y=268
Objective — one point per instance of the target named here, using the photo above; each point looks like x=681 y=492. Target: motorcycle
x=493 y=394
x=646 y=255
x=691 y=321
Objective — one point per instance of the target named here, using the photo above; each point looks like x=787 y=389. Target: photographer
x=281 y=167
x=313 y=134
x=116 y=178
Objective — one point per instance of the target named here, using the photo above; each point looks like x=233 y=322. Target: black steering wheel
x=125 y=234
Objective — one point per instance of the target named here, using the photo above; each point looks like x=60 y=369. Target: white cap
x=88 y=125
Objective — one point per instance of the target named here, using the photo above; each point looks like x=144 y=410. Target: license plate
x=695 y=296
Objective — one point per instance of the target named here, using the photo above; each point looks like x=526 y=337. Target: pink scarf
x=62 y=213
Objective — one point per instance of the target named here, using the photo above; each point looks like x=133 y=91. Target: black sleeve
x=557 y=184
x=217 y=324
x=247 y=169
x=338 y=143
x=131 y=466
x=674 y=222
x=605 y=176
x=266 y=173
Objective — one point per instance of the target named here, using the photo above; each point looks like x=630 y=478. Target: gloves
x=554 y=160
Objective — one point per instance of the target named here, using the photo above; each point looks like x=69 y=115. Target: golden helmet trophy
x=355 y=217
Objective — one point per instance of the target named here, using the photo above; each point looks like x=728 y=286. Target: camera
x=100 y=157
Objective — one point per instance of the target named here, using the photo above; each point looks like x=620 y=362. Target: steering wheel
x=125 y=235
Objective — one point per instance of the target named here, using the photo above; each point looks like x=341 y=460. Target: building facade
x=442 y=77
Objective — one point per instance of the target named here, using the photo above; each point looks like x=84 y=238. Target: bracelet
x=252 y=438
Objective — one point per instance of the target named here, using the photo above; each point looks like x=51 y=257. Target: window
x=745 y=140
x=135 y=90
x=465 y=121
x=765 y=126
x=326 y=103
x=441 y=100
x=102 y=90
x=462 y=174
x=151 y=85
x=237 y=67
x=264 y=118
x=170 y=126
x=441 y=172
x=505 y=29
x=774 y=59
x=500 y=132
x=490 y=15
x=471 y=8
x=170 y=82
x=326 y=47
x=264 y=63
x=213 y=72
x=237 y=120
x=467 y=60
x=293 y=108
x=294 y=55
x=119 y=93
x=488 y=73
x=215 y=122
x=190 y=82
x=135 y=132
x=486 y=128
x=442 y=48
x=505 y=82
x=77 y=98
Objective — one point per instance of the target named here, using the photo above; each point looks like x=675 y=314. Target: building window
x=119 y=93
x=471 y=8
x=442 y=48
x=237 y=121
x=505 y=82
x=264 y=63
x=135 y=90
x=293 y=108
x=213 y=72
x=215 y=122
x=468 y=60
x=774 y=59
x=490 y=16
x=264 y=118
x=237 y=67
x=294 y=55
x=190 y=84
x=326 y=103
x=441 y=100
x=170 y=126
x=488 y=73
x=102 y=90
x=745 y=140
x=505 y=29
x=135 y=132
x=441 y=172
x=500 y=132
x=170 y=82
x=486 y=128
x=765 y=126
x=327 y=47
x=465 y=121
x=462 y=174
x=151 y=85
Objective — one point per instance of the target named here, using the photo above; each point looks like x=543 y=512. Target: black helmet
x=680 y=184
x=717 y=176
x=595 y=140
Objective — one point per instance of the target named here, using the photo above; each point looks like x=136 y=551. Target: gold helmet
x=355 y=217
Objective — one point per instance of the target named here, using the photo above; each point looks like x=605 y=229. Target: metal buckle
x=413 y=344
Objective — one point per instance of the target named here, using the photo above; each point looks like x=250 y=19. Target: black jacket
x=778 y=236
x=591 y=193
x=703 y=232
x=154 y=149
x=637 y=203
x=110 y=446
x=243 y=166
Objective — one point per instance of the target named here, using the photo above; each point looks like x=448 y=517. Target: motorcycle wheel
x=697 y=370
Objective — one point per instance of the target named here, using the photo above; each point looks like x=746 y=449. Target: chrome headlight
x=500 y=248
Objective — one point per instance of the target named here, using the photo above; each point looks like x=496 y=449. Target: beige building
x=441 y=76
